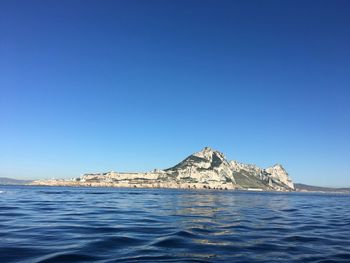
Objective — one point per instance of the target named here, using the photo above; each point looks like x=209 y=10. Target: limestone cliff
x=205 y=169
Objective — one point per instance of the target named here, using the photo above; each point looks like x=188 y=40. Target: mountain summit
x=204 y=166
x=207 y=168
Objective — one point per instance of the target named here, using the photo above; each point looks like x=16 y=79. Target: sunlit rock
x=206 y=169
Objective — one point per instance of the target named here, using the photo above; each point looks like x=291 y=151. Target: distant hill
x=310 y=188
x=10 y=181
x=206 y=169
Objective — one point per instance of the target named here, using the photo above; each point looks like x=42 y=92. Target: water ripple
x=62 y=224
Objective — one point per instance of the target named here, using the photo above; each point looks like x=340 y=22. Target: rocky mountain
x=205 y=169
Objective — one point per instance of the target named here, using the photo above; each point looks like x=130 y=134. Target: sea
x=77 y=224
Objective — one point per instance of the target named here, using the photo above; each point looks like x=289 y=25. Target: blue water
x=61 y=224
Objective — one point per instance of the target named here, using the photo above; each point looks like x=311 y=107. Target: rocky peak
x=277 y=169
x=206 y=159
x=278 y=166
x=278 y=172
x=210 y=155
x=206 y=153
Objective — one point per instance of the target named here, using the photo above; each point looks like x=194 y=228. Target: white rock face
x=278 y=172
x=204 y=169
x=236 y=166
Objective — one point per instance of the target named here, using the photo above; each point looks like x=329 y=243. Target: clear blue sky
x=89 y=86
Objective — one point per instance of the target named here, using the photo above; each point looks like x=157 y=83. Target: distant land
x=310 y=188
x=206 y=169
x=10 y=181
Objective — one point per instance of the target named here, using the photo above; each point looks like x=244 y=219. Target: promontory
x=206 y=169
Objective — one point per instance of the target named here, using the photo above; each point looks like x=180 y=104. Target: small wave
x=272 y=218
x=170 y=242
x=8 y=208
x=311 y=227
x=290 y=210
x=97 y=193
x=13 y=214
x=332 y=258
x=161 y=258
x=201 y=230
x=55 y=192
x=116 y=242
x=265 y=247
x=68 y=257
x=184 y=233
x=90 y=229
x=297 y=238
x=345 y=256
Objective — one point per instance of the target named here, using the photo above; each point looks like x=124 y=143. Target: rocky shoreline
x=206 y=169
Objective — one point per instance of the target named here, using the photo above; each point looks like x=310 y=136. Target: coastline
x=179 y=188
x=196 y=186
x=238 y=189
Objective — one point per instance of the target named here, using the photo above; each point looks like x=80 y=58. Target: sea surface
x=62 y=224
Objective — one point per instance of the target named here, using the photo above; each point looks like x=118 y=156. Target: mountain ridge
x=207 y=169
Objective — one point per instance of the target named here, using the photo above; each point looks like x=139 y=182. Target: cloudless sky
x=94 y=86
